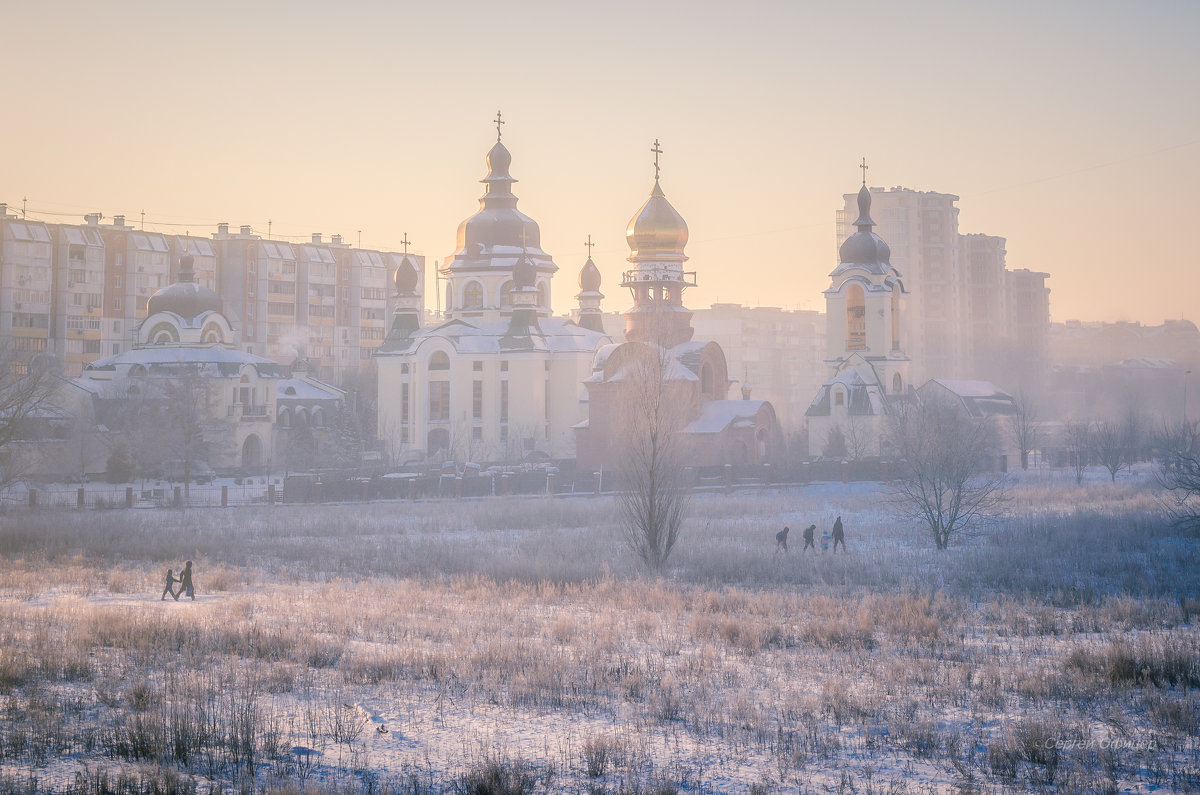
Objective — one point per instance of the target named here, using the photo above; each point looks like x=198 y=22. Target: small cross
x=499 y=121
x=864 y=168
x=404 y=242
x=589 y=245
x=657 y=151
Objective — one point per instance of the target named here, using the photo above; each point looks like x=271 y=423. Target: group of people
x=185 y=584
x=838 y=536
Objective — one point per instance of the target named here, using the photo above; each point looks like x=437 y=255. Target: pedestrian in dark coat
x=169 y=589
x=185 y=582
x=808 y=538
x=781 y=539
x=839 y=535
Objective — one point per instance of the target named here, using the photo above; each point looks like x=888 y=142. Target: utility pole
x=360 y=238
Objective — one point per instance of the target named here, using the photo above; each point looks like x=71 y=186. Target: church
x=499 y=379
x=238 y=407
x=691 y=376
x=867 y=364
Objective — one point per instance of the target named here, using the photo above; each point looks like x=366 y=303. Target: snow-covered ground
x=423 y=646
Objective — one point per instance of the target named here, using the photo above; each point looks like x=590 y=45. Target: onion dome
x=864 y=247
x=589 y=277
x=184 y=297
x=405 y=277
x=498 y=222
x=658 y=231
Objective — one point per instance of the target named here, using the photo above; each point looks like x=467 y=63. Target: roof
x=296 y=389
x=717 y=415
x=978 y=398
x=558 y=335
x=227 y=361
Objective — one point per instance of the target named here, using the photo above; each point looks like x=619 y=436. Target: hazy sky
x=1070 y=128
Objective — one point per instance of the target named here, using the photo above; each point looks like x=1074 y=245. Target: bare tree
x=944 y=452
x=1023 y=427
x=1110 y=442
x=655 y=498
x=1077 y=440
x=25 y=394
x=860 y=437
x=191 y=430
x=1179 y=472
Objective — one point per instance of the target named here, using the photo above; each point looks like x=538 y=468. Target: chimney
x=316 y=237
x=336 y=240
x=223 y=230
x=93 y=219
x=118 y=220
x=245 y=229
x=3 y=210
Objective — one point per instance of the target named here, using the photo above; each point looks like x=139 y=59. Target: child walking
x=168 y=589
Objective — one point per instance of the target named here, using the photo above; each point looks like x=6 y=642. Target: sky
x=1072 y=129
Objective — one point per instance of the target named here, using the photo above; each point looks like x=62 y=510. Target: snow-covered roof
x=227 y=361
x=717 y=415
x=558 y=335
x=296 y=389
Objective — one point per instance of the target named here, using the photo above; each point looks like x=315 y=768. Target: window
x=473 y=295
x=504 y=366
x=439 y=361
x=503 y=401
x=839 y=397
x=897 y=385
x=477 y=400
x=856 y=319
x=403 y=404
x=543 y=296
x=477 y=366
x=439 y=401
x=477 y=434
x=506 y=294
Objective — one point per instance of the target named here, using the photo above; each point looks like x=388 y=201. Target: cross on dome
x=404 y=242
x=589 y=245
x=499 y=121
x=864 y=168
x=657 y=151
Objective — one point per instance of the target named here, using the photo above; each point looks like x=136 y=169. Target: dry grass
x=512 y=645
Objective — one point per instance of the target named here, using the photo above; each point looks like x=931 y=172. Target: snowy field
x=512 y=645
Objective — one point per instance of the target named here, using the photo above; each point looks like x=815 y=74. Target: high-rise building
x=967 y=315
x=78 y=292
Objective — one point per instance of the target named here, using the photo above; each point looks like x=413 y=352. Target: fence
x=301 y=489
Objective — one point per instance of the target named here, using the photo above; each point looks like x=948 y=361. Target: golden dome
x=658 y=231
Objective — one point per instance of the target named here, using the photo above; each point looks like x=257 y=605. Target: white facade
x=499 y=379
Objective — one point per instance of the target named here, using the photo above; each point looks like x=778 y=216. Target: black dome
x=185 y=298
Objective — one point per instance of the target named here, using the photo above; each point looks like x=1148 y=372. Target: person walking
x=185 y=582
x=781 y=540
x=808 y=538
x=170 y=586
x=839 y=535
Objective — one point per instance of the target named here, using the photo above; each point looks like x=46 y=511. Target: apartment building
x=79 y=291
x=968 y=316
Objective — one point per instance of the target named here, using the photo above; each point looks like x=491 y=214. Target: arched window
x=506 y=293
x=318 y=418
x=856 y=318
x=163 y=334
x=285 y=418
x=706 y=380
x=301 y=418
x=473 y=295
x=897 y=384
x=439 y=361
x=839 y=397
x=895 y=319
x=449 y=297
x=212 y=333
x=543 y=296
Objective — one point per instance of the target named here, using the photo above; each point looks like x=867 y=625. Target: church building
x=867 y=363
x=691 y=376
x=500 y=378
x=185 y=353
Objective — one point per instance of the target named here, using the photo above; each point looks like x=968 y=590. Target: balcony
x=247 y=412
